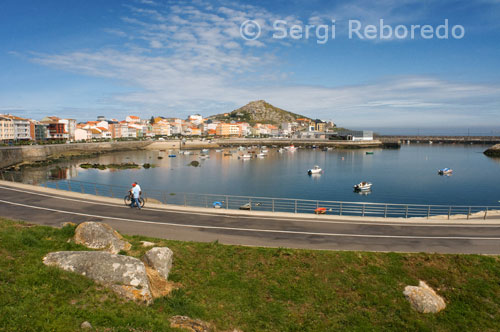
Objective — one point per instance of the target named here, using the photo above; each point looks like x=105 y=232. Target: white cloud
x=192 y=58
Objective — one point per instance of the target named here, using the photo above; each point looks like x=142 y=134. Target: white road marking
x=254 y=229
x=353 y=222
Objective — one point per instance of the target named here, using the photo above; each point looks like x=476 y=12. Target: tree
x=152 y=121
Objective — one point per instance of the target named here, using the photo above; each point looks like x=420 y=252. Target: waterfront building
x=6 y=129
x=227 y=129
x=195 y=119
x=132 y=119
x=83 y=134
x=40 y=131
x=22 y=128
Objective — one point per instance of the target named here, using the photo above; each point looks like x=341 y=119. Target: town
x=14 y=129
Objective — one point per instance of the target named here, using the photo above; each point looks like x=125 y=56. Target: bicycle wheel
x=142 y=202
x=127 y=200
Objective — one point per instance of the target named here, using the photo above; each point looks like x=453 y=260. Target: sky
x=81 y=59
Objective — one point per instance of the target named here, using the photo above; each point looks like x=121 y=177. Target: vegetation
x=114 y=166
x=253 y=289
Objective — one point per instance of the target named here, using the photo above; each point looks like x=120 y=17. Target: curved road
x=49 y=208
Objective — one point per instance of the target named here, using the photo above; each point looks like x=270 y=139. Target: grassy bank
x=254 y=289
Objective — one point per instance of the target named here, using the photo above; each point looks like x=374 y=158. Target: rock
x=96 y=235
x=158 y=285
x=160 y=259
x=86 y=326
x=192 y=325
x=123 y=274
x=494 y=151
x=424 y=299
x=147 y=244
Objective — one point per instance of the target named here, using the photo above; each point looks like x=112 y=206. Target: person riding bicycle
x=136 y=194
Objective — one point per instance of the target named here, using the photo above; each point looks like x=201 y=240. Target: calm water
x=408 y=175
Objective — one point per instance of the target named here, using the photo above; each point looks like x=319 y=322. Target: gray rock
x=147 y=244
x=96 y=235
x=424 y=299
x=86 y=326
x=160 y=259
x=189 y=324
x=125 y=275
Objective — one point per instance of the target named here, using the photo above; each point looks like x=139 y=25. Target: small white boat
x=187 y=152
x=281 y=150
x=290 y=148
x=445 y=171
x=204 y=156
x=245 y=156
x=315 y=170
x=204 y=151
x=261 y=155
x=264 y=151
x=363 y=186
x=218 y=150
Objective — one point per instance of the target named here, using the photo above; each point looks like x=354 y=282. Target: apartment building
x=6 y=129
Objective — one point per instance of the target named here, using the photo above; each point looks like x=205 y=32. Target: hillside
x=259 y=112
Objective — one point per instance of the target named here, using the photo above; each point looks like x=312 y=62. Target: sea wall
x=494 y=151
x=14 y=155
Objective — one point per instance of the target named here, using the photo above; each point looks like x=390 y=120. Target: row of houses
x=13 y=128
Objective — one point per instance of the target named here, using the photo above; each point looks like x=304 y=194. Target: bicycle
x=128 y=200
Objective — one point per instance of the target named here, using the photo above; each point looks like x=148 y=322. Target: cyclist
x=136 y=193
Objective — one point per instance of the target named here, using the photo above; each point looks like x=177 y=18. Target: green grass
x=254 y=289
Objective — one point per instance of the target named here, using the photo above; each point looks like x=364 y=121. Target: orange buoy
x=320 y=211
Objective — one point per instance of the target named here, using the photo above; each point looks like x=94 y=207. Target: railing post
x=428 y=212
x=227 y=202
x=111 y=191
x=273 y=204
x=363 y=211
x=295 y=206
x=250 y=201
x=449 y=213
x=206 y=201
x=185 y=200
x=57 y=184
x=3 y=178
x=12 y=177
x=385 y=211
x=81 y=187
x=469 y=212
x=340 y=209
x=165 y=197
x=485 y=213
x=406 y=212
x=69 y=185
x=95 y=187
x=317 y=204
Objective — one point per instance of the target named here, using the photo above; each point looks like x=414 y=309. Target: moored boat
x=315 y=170
x=363 y=186
x=445 y=171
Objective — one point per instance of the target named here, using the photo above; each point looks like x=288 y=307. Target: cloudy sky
x=81 y=59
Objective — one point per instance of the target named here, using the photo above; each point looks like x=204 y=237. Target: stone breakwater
x=494 y=151
x=10 y=156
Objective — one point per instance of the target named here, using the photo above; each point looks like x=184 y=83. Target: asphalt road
x=52 y=210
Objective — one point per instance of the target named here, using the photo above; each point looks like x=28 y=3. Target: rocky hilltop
x=494 y=151
x=259 y=112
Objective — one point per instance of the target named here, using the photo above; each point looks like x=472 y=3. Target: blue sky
x=81 y=59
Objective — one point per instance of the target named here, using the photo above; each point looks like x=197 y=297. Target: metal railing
x=270 y=204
